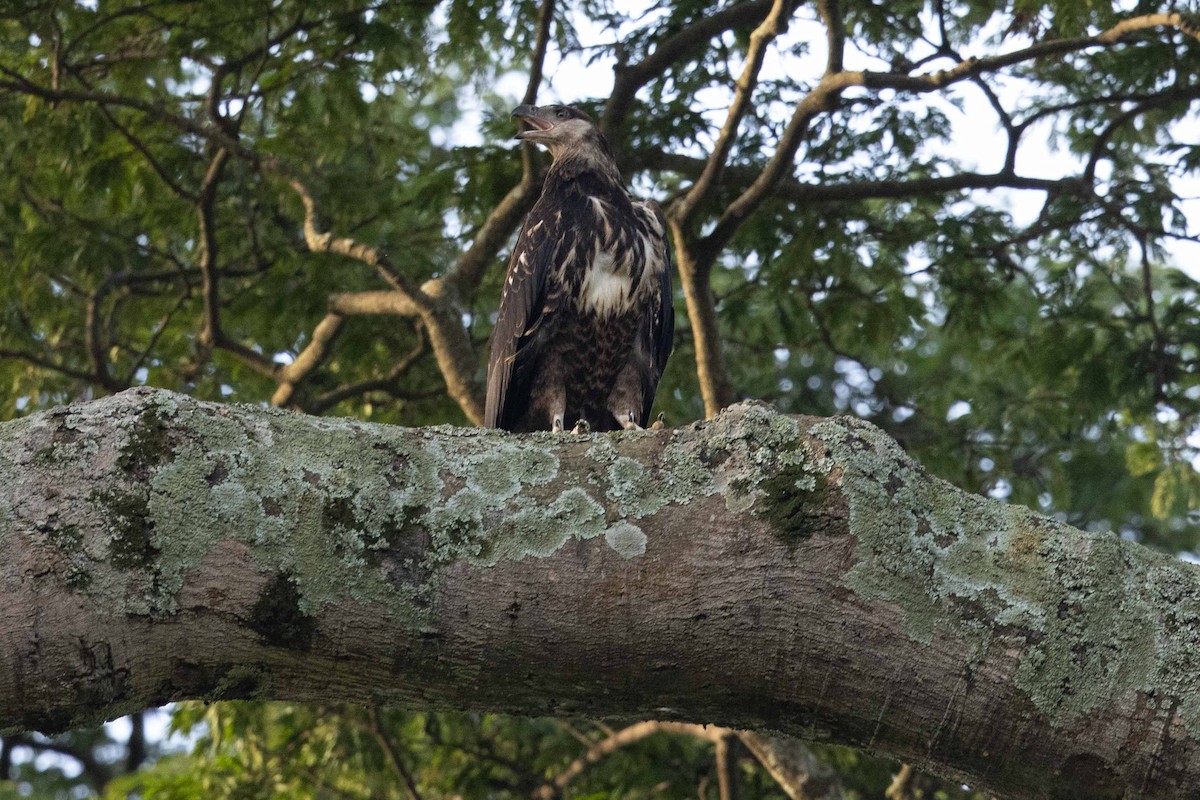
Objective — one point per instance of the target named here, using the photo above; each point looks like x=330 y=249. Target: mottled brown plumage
x=586 y=318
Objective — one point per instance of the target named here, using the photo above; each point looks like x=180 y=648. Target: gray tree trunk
x=764 y=572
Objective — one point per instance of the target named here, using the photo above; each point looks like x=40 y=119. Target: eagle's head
x=565 y=131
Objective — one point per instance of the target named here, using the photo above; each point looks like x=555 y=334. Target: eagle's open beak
x=532 y=120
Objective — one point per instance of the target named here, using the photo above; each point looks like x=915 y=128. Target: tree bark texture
x=773 y=573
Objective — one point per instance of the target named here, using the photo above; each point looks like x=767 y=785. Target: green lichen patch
x=626 y=539
x=539 y=531
x=277 y=617
x=1089 y=614
x=633 y=488
x=130 y=527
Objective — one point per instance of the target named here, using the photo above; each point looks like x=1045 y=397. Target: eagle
x=586 y=317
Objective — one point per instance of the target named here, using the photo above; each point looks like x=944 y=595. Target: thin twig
x=392 y=755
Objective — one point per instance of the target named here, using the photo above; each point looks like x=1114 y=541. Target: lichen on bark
x=1086 y=610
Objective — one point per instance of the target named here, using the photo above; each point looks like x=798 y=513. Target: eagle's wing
x=527 y=305
x=658 y=326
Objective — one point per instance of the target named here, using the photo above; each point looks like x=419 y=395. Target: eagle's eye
x=561 y=113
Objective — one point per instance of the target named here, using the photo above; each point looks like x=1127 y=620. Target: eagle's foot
x=660 y=422
x=629 y=425
x=557 y=425
x=581 y=427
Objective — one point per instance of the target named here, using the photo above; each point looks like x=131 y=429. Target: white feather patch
x=604 y=291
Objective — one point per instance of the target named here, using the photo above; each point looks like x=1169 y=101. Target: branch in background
x=740 y=177
x=140 y=146
x=794 y=767
x=723 y=756
x=136 y=746
x=1158 y=100
x=380 y=302
x=821 y=98
x=695 y=255
x=824 y=96
x=95 y=342
x=545 y=21
x=835 y=34
x=319 y=345
x=694 y=271
x=211 y=334
x=159 y=330
x=464 y=277
x=391 y=754
x=455 y=355
x=388 y=383
x=45 y=363
x=629 y=79
x=901 y=786
x=437 y=307
x=319 y=241
x=623 y=738
x=438 y=310
x=684 y=209
x=467 y=272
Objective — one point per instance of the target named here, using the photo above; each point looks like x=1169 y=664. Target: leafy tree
x=273 y=202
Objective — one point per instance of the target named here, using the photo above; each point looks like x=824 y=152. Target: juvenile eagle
x=586 y=319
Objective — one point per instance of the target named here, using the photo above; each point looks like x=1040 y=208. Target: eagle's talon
x=660 y=421
x=581 y=427
x=630 y=423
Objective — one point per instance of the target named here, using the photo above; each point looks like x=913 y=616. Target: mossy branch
x=758 y=571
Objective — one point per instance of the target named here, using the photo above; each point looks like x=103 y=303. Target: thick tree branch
x=793 y=574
